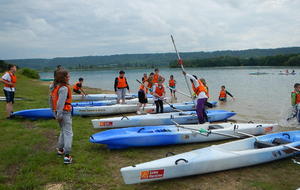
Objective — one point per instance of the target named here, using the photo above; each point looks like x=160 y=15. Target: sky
x=67 y=28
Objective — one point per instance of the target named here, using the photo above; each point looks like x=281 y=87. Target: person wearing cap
x=120 y=87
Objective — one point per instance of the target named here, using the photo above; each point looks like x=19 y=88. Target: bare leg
x=9 y=108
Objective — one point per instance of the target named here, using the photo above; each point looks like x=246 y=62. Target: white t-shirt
x=7 y=78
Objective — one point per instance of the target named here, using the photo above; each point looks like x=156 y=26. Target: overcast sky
x=62 y=28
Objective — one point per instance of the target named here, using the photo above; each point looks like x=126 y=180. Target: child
x=9 y=79
x=157 y=76
x=172 y=86
x=158 y=96
x=223 y=94
x=295 y=100
x=120 y=87
x=201 y=97
x=77 y=88
x=60 y=104
x=142 y=95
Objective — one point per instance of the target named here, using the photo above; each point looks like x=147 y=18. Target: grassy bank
x=28 y=159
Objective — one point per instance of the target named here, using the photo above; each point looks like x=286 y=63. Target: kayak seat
x=215 y=127
x=280 y=141
x=263 y=144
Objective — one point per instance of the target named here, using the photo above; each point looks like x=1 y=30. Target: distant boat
x=258 y=73
x=47 y=79
x=286 y=73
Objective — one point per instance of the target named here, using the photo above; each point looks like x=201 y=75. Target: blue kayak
x=92 y=103
x=170 y=134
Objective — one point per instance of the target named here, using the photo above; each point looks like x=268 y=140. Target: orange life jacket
x=13 y=80
x=297 y=97
x=54 y=98
x=122 y=82
x=200 y=88
x=155 y=78
x=159 y=91
x=142 y=87
x=223 y=94
x=75 y=87
x=145 y=79
x=172 y=83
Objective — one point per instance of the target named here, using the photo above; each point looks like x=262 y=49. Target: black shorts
x=142 y=97
x=9 y=96
x=77 y=91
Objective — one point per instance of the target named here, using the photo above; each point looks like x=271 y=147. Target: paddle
x=179 y=92
x=208 y=132
x=163 y=99
x=182 y=68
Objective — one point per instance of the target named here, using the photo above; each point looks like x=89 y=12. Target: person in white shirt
x=9 y=80
x=201 y=93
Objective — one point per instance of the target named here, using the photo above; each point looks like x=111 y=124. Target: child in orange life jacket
x=142 y=95
x=295 y=100
x=120 y=87
x=60 y=104
x=172 y=86
x=150 y=81
x=159 y=93
x=157 y=76
x=9 y=79
x=77 y=87
x=223 y=94
x=201 y=97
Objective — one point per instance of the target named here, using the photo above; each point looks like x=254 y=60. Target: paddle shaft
x=163 y=99
x=182 y=68
x=179 y=92
x=208 y=132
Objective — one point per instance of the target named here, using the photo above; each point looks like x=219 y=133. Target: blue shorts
x=9 y=96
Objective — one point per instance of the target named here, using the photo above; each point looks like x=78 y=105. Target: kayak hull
x=170 y=134
x=214 y=158
x=188 y=117
x=95 y=97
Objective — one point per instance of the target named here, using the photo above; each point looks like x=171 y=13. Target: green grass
x=28 y=159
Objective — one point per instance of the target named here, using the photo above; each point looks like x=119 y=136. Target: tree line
x=223 y=61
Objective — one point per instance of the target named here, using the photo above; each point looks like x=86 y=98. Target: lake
x=258 y=97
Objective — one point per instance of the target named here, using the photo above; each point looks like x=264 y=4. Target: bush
x=30 y=73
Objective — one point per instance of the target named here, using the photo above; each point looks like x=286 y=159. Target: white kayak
x=126 y=108
x=94 y=97
x=171 y=134
x=236 y=154
x=188 y=117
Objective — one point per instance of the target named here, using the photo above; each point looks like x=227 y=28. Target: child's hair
x=80 y=79
x=10 y=66
x=156 y=69
x=223 y=86
x=296 y=85
x=171 y=76
x=151 y=74
x=122 y=72
x=61 y=76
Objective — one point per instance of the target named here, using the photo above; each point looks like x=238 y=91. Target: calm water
x=258 y=97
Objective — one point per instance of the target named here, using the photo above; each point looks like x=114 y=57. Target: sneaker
x=60 y=152
x=68 y=160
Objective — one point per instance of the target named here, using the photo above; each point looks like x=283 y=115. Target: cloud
x=41 y=28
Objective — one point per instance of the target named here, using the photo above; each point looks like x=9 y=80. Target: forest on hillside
x=227 y=58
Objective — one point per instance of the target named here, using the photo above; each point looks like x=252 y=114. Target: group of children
x=60 y=98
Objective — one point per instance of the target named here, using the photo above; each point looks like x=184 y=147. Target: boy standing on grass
x=295 y=100
x=120 y=87
x=60 y=103
x=9 y=79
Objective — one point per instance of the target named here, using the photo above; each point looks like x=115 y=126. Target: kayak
x=47 y=79
x=107 y=102
x=170 y=134
x=188 y=117
x=236 y=154
x=258 y=73
x=104 y=96
x=99 y=108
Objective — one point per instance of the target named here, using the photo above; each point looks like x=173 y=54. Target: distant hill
x=3 y=66
x=143 y=60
